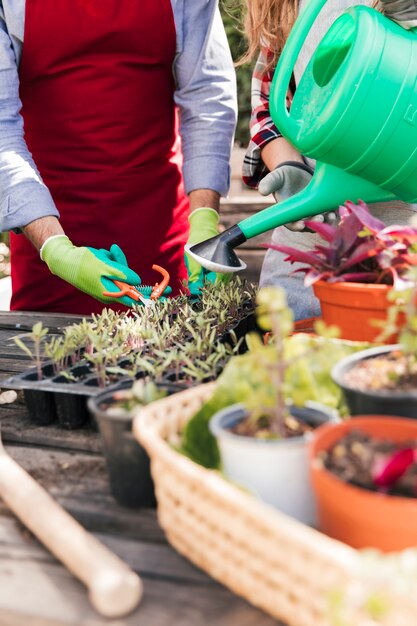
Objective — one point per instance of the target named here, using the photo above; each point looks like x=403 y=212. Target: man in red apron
x=100 y=83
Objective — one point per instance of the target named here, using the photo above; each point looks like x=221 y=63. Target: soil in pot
x=294 y=427
x=378 y=381
x=392 y=370
x=374 y=464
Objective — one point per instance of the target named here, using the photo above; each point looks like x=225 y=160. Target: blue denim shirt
x=205 y=93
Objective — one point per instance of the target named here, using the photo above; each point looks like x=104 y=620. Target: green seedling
x=37 y=336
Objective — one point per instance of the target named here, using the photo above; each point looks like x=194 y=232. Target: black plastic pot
x=127 y=462
x=41 y=407
x=373 y=402
x=71 y=410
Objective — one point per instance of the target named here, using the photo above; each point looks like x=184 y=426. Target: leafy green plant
x=287 y=369
x=174 y=337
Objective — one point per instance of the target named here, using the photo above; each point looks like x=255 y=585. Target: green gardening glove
x=203 y=225
x=89 y=269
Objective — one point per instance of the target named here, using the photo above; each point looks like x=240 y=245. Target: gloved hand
x=89 y=269
x=404 y=12
x=285 y=181
x=203 y=225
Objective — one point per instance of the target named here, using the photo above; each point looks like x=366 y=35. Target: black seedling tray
x=57 y=397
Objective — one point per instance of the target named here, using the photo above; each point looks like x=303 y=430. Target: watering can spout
x=328 y=189
x=217 y=253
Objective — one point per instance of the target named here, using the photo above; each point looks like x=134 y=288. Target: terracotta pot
x=352 y=306
x=356 y=516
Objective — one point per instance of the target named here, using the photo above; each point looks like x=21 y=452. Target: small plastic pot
x=41 y=406
x=127 y=462
x=71 y=409
x=275 y=470
x=373 y=402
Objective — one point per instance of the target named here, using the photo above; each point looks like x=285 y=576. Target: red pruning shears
x=139 y=292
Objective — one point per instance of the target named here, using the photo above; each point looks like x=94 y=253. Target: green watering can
x=354 y=111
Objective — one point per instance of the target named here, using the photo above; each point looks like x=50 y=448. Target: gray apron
x=275 y=271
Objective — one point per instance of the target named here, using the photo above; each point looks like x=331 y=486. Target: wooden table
x=36 y=590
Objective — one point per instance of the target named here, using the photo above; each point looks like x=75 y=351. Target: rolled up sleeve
x=206 y=96
x=23 y=195
x=262 y=127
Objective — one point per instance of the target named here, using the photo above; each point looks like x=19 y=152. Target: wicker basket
x=275 y=562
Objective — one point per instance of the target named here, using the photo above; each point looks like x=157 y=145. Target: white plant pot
x=276 y=471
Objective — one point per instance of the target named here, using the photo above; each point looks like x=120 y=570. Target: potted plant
x=364 y=474
x=127 y=462
x=261 y=440
x=383 y=380
x=356 y=268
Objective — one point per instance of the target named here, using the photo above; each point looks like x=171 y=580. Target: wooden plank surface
x=36 y=590
x=23 y=321
x=16 y=427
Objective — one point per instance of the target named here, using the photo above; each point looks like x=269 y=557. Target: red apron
x=96 y=86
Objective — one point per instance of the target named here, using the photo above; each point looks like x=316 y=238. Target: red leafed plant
x=361 y=249
x=388 y=471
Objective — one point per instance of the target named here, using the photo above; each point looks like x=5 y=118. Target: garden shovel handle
x=114 y=589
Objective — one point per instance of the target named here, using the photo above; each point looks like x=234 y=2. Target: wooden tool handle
x=114 y=589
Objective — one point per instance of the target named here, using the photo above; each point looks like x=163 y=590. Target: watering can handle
x=282 y=75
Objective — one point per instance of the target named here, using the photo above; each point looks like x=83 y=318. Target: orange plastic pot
x=352 y=306
x=358 y=517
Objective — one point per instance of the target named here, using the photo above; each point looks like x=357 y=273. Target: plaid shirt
x=262 y=128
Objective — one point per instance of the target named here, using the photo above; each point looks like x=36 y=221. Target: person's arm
x=204 y=198
x=23 y=196
x=41 y=229
x=26 y=204
x=278 y=151
x=267 y=148
x=207 y=100
x=271 y=163
x=205 y=94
